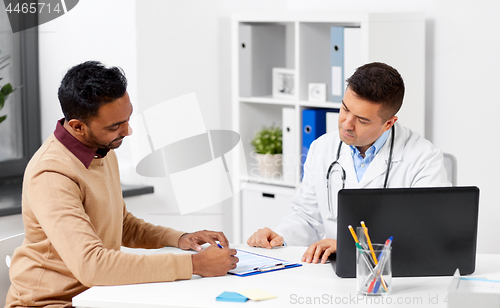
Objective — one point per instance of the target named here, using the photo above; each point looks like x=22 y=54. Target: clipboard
x=252 y=264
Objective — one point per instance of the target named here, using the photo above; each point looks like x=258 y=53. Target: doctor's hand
x=266 y=238
x=214 y=261
x=321 y=249
x=196 y=239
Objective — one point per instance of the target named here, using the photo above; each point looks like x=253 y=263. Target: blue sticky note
x=231 y=297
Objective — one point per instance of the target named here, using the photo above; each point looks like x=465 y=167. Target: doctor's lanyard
x=343 y=174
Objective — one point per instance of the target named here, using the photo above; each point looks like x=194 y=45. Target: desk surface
x=314 y=284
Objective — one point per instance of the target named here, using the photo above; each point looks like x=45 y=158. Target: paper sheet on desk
x=465 y=292
x=478 y=285
x=251 y=264
x=473 y=284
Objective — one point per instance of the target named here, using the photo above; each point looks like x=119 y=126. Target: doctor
x=370 y=150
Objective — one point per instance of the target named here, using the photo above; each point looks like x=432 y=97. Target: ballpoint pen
x=377 y=271
x=364 y=256
x=358 y=243
x=265 y=268
x=354 y=236
x=383 y=258
x=359 y=246
x=372 y=269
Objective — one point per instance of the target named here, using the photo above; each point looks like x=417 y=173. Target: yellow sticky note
x=256 y=294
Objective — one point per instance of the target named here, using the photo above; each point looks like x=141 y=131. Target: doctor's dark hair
x=379 y=83
x=88 y=86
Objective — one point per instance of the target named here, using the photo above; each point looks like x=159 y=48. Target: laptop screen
x=434 y=229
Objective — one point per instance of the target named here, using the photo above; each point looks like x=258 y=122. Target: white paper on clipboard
x=252 y=263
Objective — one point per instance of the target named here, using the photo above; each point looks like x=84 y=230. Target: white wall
x=183 y=46
x=465 y=102
x=106 y=31
x=93 y=30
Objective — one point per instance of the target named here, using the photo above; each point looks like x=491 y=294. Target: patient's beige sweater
x=75 y=221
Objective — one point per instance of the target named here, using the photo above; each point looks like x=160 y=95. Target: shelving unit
x=301 y=42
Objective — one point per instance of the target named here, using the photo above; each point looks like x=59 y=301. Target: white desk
x=316 y=284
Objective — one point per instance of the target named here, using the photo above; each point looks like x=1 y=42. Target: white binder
x=245 y=60
x=337 y=62
x=332 y=121
x=260 y=49
x=290 y=135
x=352 y=51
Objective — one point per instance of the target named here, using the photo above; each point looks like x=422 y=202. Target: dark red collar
x=81 y=151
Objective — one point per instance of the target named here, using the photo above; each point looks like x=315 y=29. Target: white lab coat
x=415 y=163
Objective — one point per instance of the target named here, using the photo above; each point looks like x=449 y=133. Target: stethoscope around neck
x=343 y=174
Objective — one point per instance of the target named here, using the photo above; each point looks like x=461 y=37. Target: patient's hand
x=214 y=261
x=194 y=240
x=320 y=250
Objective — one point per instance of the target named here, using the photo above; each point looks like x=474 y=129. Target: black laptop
x=434 y=229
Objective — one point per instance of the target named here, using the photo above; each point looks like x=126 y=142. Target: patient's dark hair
x=379 y=83
x=88 y=86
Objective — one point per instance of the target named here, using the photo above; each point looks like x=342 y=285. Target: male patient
x=74 y=215
x=367 y=137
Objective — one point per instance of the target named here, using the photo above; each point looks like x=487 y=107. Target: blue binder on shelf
x=313 y=126
x=337 y=62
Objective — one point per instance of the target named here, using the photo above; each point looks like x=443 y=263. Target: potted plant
x=6 y=89
x=268 y=147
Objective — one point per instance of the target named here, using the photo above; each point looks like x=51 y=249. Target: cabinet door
x=264 y=206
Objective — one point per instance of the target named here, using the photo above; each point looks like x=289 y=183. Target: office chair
x=450 y=164
x=7 y=247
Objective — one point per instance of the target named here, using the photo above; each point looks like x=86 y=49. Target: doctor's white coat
x=415 y=163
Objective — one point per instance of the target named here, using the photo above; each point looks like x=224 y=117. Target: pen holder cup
x=374 y=278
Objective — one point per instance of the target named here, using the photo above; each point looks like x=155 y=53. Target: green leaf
x=268 y=140
x=3 y=118
x=7 y=89
x=2 y=100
